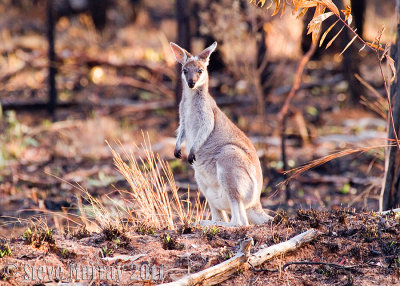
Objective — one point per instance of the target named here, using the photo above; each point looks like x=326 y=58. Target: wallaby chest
x=197 y=113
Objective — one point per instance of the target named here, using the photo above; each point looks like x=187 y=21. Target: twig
x=376 y=51
x=286 y=265
x=263 y=269
x=389 y=103
x=312 y=164
x=284 y=111
x=334 y=265
x=368 y=86
x=297 y=80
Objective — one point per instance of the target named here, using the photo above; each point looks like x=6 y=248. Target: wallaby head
x=194 y=68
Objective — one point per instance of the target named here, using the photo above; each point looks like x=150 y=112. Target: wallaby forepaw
x=177 y=154
x=191 y=158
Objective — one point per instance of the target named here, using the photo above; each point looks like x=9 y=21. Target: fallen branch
x=389 y=211
x=282 y=90
x=128 y=106
x=314 y=178
x=34 y=105
x=219 y=272
x=224 y=270
x=268 y=253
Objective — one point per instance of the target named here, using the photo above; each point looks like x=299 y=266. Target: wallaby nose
x=191 y=83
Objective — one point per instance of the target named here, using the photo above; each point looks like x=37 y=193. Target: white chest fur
x=194 y=110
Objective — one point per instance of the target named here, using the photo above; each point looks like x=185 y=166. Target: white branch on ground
x=226 y=269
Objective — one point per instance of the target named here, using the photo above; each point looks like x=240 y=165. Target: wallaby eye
x=185 y=71
x=200 y=71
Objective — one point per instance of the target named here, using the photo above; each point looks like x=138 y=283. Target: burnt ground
x=367 y=241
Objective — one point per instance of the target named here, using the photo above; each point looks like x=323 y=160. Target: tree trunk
x=52 y=92
x=262 y=67
x=351 y=58
x=183 y=40
x=390 y=193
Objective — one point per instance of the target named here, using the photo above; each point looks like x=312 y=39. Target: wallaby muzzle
x=191 y=83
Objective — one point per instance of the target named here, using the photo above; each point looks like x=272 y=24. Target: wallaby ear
x=181 y=54
x=205 y=55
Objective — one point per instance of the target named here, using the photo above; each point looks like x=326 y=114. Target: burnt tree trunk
x=358 y=8
x=351 y=58
x=262 y=64
x=183 y=40
x=52 y=93
x=390 y=193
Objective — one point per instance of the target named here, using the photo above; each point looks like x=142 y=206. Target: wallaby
x=226 y=165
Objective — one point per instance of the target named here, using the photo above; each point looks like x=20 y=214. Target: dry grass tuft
x=151 y=203
x=153 y=199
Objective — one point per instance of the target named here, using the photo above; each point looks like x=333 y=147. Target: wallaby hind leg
x=231 y=180
x=218 y=215
x=238 y=212
x=256 y=215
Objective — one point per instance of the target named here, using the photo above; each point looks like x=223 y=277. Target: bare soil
x=367 y=241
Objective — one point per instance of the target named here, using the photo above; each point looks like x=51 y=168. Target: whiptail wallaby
x=226 y=165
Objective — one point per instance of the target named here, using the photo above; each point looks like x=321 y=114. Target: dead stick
x=219 y=272
x=292 y=244
x=225 y=270
x=334 y=265
x=285 y=108
x=389 y=211
x=297 y=80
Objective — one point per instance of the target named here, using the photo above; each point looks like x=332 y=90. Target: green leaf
x=345 y=189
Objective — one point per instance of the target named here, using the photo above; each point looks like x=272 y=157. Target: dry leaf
x=315 y=27
x=392 y=67
x=302 y=13
x=277 y=7
x=334 y=38
x=326 y=33
x=329 y=4
x=349 y=44
x=320 y=19
x=350 y=19
x=283 y=7
x=347 y=14
x=304 y=4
